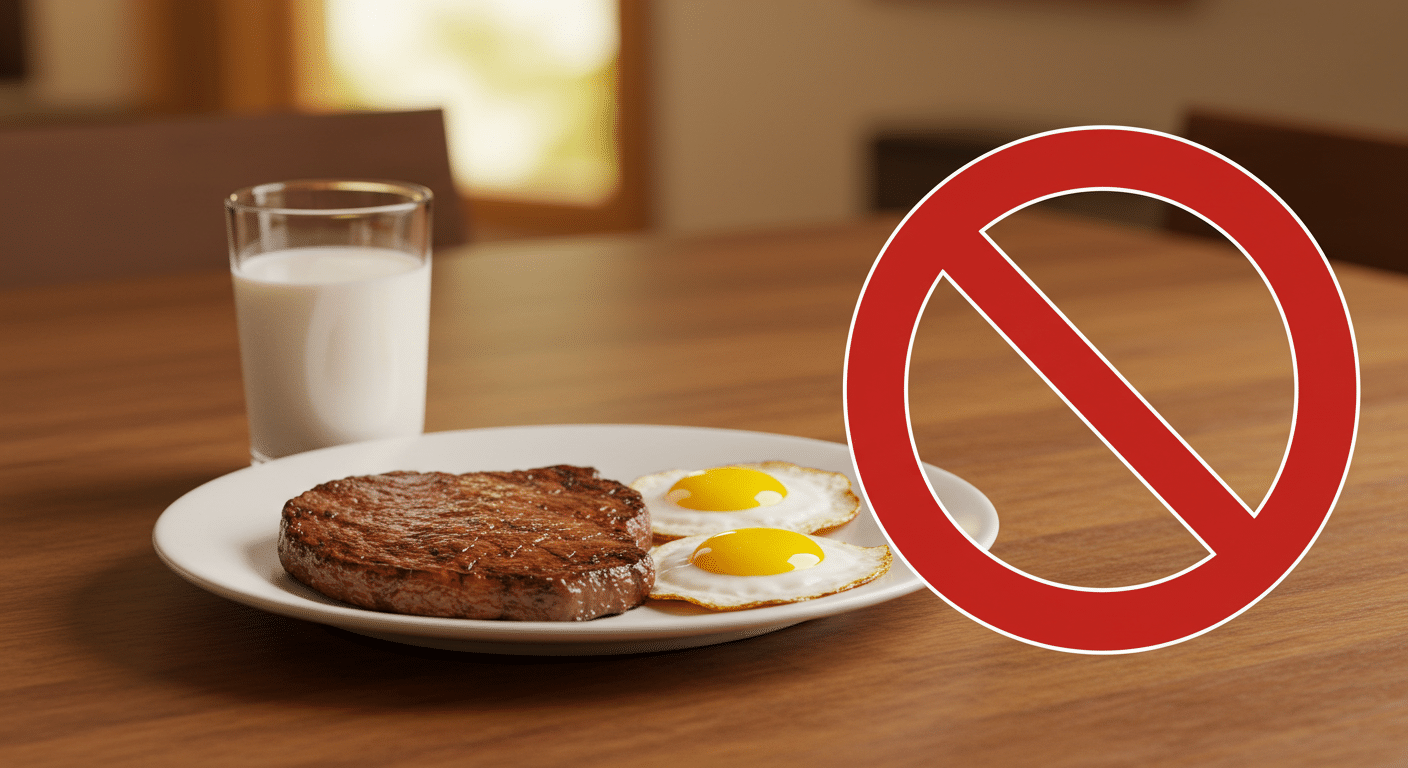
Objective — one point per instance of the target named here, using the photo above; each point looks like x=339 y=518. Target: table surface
x=118 y=397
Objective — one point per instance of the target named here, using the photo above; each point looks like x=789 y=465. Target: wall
x=82 y=52
x=763 y=109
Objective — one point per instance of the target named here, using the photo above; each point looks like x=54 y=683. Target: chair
x=113 y=200
x=906 y=165
x=1348 y=189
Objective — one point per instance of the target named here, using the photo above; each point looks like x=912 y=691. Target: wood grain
x=118 y=397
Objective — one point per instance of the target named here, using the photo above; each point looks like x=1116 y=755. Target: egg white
x=844 y=566
x=816 y=500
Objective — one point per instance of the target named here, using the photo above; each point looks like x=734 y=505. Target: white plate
x=222 y=536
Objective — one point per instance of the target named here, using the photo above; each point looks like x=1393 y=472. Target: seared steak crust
x=551 y=544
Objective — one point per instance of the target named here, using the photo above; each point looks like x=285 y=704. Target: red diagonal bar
x=1085 y=379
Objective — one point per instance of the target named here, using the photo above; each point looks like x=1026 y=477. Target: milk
x=333 y=344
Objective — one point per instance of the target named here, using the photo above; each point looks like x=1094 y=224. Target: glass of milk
x=332 y=292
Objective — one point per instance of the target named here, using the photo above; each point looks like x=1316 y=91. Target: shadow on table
x=147 y=622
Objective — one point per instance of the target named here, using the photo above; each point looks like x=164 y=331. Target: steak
x=551 y=544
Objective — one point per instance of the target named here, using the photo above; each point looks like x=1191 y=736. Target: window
x=528 y=86
x=545 y=99
x=541 y=97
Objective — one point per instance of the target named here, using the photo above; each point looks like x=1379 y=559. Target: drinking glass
x=332 y=294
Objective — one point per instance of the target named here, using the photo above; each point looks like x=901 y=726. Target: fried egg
x=752 y=567
x=768 y=494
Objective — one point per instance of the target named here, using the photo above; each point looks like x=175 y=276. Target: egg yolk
x=756 y=552
x=727 y=489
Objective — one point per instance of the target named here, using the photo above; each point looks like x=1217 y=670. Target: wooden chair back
x=114 y=200
x=1348 y=189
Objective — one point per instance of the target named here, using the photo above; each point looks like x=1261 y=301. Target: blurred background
x=691 y=116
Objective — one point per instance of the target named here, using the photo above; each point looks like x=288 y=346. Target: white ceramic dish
x=222 y=536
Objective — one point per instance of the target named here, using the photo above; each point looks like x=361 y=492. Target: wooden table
x=119 y=397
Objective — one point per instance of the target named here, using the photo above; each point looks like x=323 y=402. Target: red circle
x=943 y=236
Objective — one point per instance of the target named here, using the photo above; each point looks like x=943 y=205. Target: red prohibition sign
x=944 y=237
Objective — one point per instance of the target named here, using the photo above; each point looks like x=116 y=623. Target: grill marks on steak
x=551 y=544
